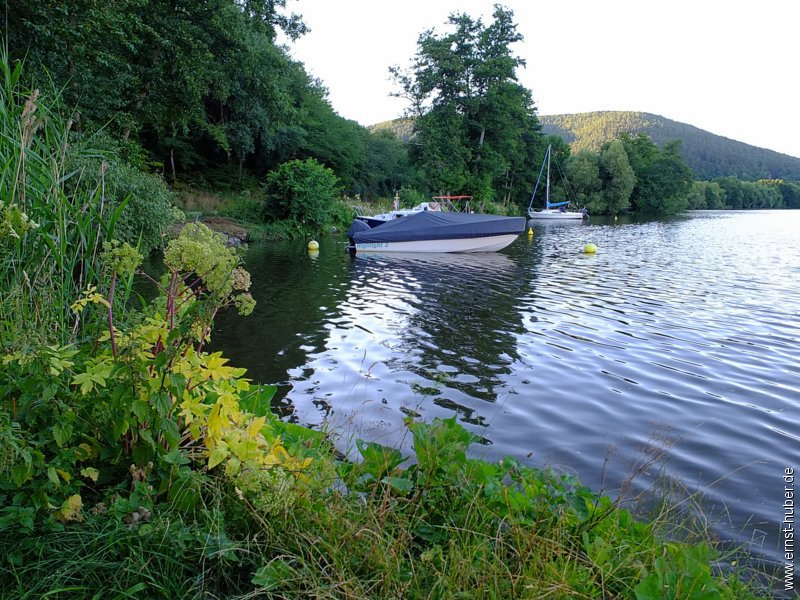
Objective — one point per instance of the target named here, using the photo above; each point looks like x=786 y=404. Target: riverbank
x=445 y=527
x=136 y=462
x=239 y=215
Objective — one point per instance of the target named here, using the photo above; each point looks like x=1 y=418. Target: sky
x=729 y=67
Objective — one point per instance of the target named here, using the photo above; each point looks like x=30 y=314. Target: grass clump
x=450 y=526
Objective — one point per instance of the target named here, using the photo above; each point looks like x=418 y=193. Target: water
x=678 y=338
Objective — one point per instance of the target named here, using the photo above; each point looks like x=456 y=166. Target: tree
x=583 y=171
x=733 y=190
x=194 y=82
x=385 y=168
x=617 y=176
x=473 y=115
x=791 y=194
x=333 y=141
x=663 y=179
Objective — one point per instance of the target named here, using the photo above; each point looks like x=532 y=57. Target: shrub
x=303 y=191
x=148 y=211
x=73 y=417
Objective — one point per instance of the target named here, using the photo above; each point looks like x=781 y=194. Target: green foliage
x=145 y=69
x=341 y=214
x=162 y=78
x=791 y=194
x=14 y=224
x=460 y=524
x=706 y=195
x=146 y=394
x=203 y=255
x=409 y=197
x=166 y=554
x=583 y=171
x=385 y=168
x=244 y=209
x=681 y=572
x=302 y=191
x=50 y=238
x=753 y=195
x=632 y=172
x=618 y=177
x=663 y=180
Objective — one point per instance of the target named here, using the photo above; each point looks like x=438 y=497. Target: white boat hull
x=478 y=244
x=555 y=215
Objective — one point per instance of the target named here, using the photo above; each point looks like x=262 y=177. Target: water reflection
x=408 y=299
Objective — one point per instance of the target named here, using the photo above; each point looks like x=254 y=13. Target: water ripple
x=681 y=333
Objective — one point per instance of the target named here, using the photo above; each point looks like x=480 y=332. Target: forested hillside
x=707 y=154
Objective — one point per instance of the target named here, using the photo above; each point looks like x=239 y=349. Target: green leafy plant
x=147 y=393
x=682 y=571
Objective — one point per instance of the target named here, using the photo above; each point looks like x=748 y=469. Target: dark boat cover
x=435 y=225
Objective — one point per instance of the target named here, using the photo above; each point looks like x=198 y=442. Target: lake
x=672 y=354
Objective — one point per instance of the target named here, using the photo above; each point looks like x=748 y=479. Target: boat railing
x=359 y=210
x=461 y=204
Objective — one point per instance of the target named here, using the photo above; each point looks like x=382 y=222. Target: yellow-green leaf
x=85 y=381
x=217 y=455
x=71 y=509
x=90 y=473
x=255 y=426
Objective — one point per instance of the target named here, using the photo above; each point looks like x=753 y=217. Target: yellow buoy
x=313 y=245
x=530 y=231
x=590 y=248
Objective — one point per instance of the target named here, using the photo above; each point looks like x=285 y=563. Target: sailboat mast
x=547 y=193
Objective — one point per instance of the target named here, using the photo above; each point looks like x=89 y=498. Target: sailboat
x=556 y=211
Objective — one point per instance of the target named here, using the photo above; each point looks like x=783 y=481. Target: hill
x=707 y=154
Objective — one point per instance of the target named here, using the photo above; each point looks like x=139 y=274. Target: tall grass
x=42 y=269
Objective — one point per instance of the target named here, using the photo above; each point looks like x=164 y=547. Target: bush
x=149 y=211
x=302 y=191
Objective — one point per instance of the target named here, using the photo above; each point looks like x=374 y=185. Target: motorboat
x=435 y=231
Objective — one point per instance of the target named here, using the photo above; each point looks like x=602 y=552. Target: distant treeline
x=708 y=155
x=634 y=174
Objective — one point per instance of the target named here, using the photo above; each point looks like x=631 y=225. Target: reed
x=49 y=240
